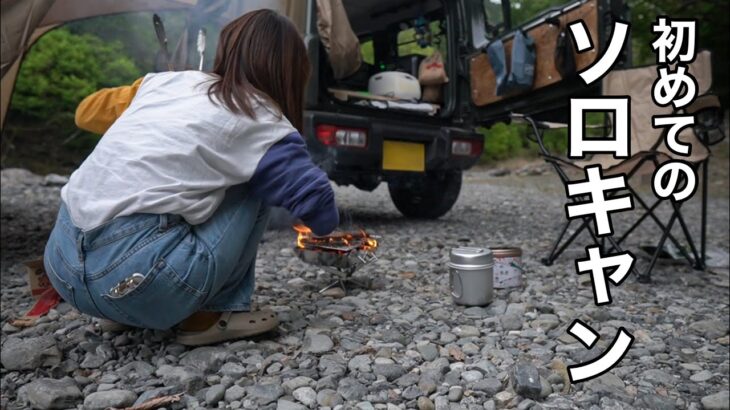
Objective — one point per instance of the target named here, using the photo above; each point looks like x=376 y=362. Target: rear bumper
x=345 y=164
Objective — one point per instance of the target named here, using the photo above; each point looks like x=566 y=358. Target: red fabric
x=48 y=300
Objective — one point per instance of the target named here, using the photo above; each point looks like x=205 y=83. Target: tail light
x=466 y=148
x=332 y=135
x=326 y=134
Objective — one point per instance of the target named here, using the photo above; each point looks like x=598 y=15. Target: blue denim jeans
x=153 y=271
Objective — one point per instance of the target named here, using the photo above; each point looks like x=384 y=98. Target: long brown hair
x=261 y=54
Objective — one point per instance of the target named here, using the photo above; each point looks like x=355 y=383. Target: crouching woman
x=162 y=221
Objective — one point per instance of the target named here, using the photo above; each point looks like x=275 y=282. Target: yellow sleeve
x=97 y=112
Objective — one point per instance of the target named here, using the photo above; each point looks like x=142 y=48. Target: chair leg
x=617 y=246
x=645 y=276
x=547 y=261
x=703 y=229
x=650 y=213
x=697 y=260
x=585 y=224
x=555 y=251
x=638 y=222
x=599 y=241
x=676 y=207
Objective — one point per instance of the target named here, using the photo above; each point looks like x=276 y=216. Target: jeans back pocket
x=157 y=299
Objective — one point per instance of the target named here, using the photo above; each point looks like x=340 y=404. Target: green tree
x=136 y=34
x=61 y=69
x=713 y=27
x=522 y=11
x=502 y=141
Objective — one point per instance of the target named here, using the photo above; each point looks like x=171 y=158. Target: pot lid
x=471 y=256
x=506 y=251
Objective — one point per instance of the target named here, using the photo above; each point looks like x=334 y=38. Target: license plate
x=404 y=156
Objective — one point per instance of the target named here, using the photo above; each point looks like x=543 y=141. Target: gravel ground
x=401 y=343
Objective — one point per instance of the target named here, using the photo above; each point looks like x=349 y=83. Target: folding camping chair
x=648 y=152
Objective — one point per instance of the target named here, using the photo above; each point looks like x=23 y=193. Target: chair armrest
x=537 y=131
x=708 y=119
x=543 y=125
x=703 y=102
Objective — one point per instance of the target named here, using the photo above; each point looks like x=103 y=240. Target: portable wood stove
x=341 y=254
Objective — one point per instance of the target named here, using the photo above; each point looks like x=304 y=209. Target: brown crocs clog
x=229 y=326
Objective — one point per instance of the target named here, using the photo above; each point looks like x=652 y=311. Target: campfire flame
x=345 y=241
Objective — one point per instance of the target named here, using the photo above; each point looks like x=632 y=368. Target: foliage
x=407 y=45
x=71 y=62
x=522 y=11
x=368 y=52
x=57 y=73
x=62 y=68
x=712 y=16
x=503 y=141
x=135 y=33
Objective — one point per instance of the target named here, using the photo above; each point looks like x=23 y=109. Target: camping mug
x=470 y=276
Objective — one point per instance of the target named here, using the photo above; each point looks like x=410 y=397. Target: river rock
x=717 y=401
x=110 y=398
x=30 y=353
x=265 y=393
x=317 y=343
x=526 y=380
x=51 y=393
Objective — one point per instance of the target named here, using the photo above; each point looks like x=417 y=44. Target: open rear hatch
x=393 y=38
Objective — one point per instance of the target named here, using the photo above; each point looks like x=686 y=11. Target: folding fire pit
x=341 y=254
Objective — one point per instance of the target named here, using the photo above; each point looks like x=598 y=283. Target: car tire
x=427 y=196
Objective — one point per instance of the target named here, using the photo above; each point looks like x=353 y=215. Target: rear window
x=368 y=52
x=494 y=17
x=522 y=11
x=435 y=38
x=408 y=43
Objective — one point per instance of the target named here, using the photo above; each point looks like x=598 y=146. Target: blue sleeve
x=287 y=177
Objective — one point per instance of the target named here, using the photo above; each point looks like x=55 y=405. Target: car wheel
x=426 y=196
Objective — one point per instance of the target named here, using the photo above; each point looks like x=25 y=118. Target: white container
x=395 y=84
x=507 y=267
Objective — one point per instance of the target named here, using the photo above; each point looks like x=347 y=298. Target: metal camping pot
x=507 y=267
x=470 y=276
